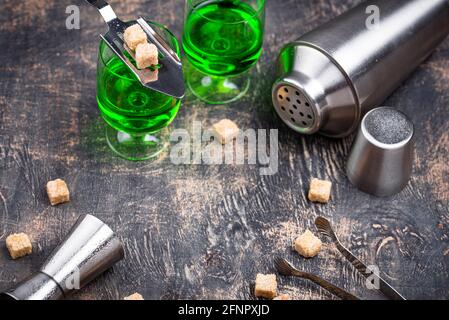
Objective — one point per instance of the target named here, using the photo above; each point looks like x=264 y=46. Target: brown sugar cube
x=18 y=245
x=134 y=36
x=151 y=76
x=283 y=297
x=134 y=296
x=266 y=286
x=308 y=245
x=58 y=192
x=320 y=191
x=146 y=55
x=225 y=131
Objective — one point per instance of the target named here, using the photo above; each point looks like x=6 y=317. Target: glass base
x=216 y=90
x=137 y=147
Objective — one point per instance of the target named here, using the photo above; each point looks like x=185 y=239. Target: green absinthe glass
x=222 y=40
x=136 y=116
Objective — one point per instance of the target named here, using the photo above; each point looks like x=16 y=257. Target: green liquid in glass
x=223 y=38
x=128 y=106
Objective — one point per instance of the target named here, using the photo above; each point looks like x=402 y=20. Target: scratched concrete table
x=197 y=231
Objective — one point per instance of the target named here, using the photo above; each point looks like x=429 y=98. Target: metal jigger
x=381 y=159
x=89 y=249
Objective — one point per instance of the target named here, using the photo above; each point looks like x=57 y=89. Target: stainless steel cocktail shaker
x=330 y=77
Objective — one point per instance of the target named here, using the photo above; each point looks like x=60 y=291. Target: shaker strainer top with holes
x=295 y=107
x=330 y=77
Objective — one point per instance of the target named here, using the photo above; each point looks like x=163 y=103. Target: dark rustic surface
x=205 y=231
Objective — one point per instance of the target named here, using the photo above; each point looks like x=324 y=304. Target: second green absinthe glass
x=223 y=38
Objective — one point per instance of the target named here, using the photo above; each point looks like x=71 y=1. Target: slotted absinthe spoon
x=170 y=76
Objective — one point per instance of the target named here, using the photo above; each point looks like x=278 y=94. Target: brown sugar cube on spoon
x=134 y=36
x=151 y=76
x=146 y=55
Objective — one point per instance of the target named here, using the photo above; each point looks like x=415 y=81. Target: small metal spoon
x=286 y=268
